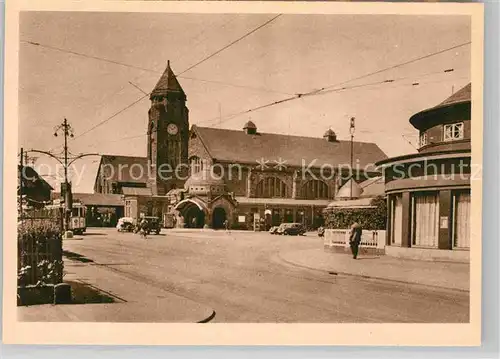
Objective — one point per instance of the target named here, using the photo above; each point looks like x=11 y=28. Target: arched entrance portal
x=193 y=212
x=194 y=217
x=218 y=218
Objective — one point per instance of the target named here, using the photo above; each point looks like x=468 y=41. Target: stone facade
x=168 y=133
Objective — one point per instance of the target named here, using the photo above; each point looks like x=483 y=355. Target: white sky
x=293 y=54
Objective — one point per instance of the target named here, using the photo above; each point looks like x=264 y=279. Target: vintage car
x=154 y=224
x=292 y=229
x=125 y=224
x=273 y=229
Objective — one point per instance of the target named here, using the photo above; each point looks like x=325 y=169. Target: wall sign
x=443 y=222
x=241 y=219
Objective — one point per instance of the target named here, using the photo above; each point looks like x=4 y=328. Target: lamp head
x=352 y=127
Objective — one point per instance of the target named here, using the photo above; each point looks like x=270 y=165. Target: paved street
x=242 y=278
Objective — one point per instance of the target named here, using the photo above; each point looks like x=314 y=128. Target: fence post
x=381 y=240
x=347 y=234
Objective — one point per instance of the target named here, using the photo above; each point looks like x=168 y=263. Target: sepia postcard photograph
x=252 y=173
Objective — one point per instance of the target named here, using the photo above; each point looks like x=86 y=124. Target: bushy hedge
x=39 y=253
x=368 y=218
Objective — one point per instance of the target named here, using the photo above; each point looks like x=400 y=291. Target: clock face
x=172 y=129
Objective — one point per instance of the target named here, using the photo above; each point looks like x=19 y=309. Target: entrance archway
x=193 y=212
x=194 y=217
x=219 y=216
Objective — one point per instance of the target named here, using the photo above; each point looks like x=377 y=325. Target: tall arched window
x=196 y=164
x=271 y=187
x=314 y=189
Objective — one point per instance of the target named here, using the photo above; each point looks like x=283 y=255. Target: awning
x=136 y=191
x=354 y=203
x=96 y=199
x=283 y=201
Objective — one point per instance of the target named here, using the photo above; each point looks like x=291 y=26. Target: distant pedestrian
x=144 y=228
x=226 y=226
x=355 y=239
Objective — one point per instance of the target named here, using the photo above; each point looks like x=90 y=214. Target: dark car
x=154 y=224
x=294 y=229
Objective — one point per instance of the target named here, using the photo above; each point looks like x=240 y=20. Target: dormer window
x=454 y=131
x=423 y=139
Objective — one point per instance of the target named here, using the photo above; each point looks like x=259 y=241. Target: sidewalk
x=134 y=301
x=436 y=274
x=208 y=233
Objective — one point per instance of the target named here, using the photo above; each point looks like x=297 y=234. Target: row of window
x=426 y=222
x=274 y=187
x=451 y=132
x=215 y=189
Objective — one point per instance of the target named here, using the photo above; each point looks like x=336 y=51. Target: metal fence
x=340 y=238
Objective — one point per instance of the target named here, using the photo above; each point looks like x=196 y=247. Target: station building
x=203 y=176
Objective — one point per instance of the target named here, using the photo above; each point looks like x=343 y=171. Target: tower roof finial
x=167 y=83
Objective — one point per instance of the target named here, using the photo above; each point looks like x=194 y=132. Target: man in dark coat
x=355 y=239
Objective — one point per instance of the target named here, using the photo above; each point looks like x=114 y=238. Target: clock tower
x=168 y=135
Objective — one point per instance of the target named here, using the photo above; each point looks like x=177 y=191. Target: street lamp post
x=352 y=129
x=67 y=130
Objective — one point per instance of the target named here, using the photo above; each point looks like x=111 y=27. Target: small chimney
x=330 y=136
x=250 y=128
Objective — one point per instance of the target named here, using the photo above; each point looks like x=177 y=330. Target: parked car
x=273 y=229
x=282 y=227
x=293 y=229
x=154 y=224
x=125 y=224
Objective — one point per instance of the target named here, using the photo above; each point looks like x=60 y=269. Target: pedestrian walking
x=355 y=239
x=226 y=226
x=144 y=228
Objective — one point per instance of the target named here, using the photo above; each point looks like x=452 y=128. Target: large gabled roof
x=167 y=83
x=238 y=147
x=133 y=169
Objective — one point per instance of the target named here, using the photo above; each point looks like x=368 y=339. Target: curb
x=364 y=276
x=208 y=319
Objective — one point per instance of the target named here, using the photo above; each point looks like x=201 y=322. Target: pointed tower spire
x=167 y=83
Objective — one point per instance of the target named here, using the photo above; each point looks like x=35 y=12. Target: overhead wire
x=144 y=69
x=179 y=75
x=230 y=44
x=392 y=67
x=338 y=90
x=323 y=89
x=230 y=117
x=274 y=103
